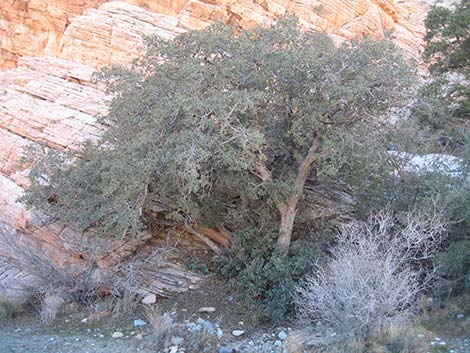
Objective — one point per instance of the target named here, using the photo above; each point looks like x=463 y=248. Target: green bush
x=197 y=266
x=7 y=310
x=265 y=282
x=455 y=264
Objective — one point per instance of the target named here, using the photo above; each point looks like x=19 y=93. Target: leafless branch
x=375 y=273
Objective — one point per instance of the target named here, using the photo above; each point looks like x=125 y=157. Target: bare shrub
x=132 y=279
x=50 y=307
x=52 y=284
x=84 y=283
x=376 y=271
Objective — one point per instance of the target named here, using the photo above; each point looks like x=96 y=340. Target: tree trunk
x=288 y=212
x=288 y=209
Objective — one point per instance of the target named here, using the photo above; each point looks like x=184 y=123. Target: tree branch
x=262 y=172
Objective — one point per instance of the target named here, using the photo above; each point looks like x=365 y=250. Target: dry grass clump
x=294 y=344
x=442 y=316
x=201 y=341
x=353 y=346
x=397 y=339
x=162 y=323
x=392 y=339
x=7 y=310
x=53 y=284
x=50 y=307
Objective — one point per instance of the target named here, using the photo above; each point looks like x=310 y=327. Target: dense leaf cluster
x=447 y=96
x=191 y=122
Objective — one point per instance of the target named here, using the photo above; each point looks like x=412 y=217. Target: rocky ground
x=211 y=317
x=27 y=335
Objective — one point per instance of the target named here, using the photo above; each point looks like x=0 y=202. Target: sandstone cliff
x=52 y=47
x=86 y=32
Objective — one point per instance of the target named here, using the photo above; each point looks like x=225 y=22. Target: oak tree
x=216 y=120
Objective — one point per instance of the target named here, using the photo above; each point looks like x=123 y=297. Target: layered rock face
x=96 y=32
x=49 y=50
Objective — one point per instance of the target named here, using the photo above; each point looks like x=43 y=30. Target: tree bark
x=288 y=209
x=288 y=212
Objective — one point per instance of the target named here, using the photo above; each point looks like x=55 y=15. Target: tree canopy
x=219 y=124
x=448 y=55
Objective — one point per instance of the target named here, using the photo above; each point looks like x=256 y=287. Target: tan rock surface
x=97 y=32
x=113 y=33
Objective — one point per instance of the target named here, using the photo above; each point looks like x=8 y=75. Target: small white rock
x=117 y=334
x=173 y=349
x=139 y=336
x=139 y=322
x=282 y=335
x=238 y=333
x=149 y=299
x=206 y=309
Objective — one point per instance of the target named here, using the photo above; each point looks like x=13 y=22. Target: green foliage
x=442 y=319
x=267 y=284
x=455 y=264
x=192 y=120
x=440 y=349
x=94 y=189
x=452 y=190
x=445 y=105
x=197 y=266
x=448 y=38
x=382 y=180
x=7 y=310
